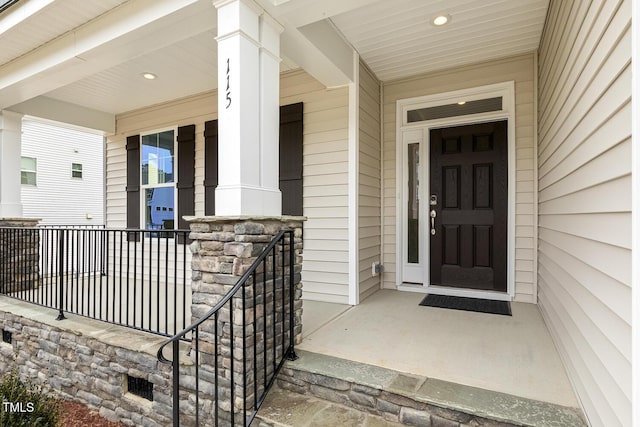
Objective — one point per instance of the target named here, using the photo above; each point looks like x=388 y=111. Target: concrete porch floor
x=508 y=354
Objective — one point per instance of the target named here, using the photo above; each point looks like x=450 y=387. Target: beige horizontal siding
x=585 y=200
x=325 y=172
x=519 y=69
x=325 y=272
x=369 y=182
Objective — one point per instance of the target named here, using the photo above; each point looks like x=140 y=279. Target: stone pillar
x=223 y=250
x=248 y=110
x=10 y=152
x=19 y=255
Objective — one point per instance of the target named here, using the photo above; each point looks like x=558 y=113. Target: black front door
x=468 y=206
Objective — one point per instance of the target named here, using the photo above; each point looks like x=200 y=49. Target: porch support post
x=248 y=110
x=10 y=148
x=254 y=328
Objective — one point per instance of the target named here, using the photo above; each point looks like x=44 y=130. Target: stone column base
x=250 y=332
x=19 y=254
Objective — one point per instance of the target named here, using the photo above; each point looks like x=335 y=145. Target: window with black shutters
x=161 y=180
x=183 y=169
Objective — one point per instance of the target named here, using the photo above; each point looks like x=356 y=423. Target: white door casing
x=415 y=276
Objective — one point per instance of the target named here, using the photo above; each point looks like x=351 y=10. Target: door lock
x=433 y=215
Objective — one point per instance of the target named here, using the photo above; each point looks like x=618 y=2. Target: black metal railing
x=240 y=345
x=132 y=278
x=86 y=254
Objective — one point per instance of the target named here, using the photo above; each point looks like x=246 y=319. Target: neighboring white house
x=378 y=82
x=62 y=173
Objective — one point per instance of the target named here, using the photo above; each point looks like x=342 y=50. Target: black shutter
x=210 y=166
x=133 y=186
x=290 y=161
x=186 y=175
x=291 y=158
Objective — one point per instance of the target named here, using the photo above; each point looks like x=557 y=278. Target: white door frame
x=419 y=131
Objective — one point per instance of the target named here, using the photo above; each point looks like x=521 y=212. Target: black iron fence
x=240 y=345
x=133 y=278
x=83 y=253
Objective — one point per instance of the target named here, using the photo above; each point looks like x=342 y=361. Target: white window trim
x=174 y=184
x=506 y=90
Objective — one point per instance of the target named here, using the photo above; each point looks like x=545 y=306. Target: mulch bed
x=74 y=414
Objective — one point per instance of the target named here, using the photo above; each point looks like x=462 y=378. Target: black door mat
x=468 y=304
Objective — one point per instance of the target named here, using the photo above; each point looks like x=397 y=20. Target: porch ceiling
x=396 y=38
x=43 y=20
x=177 y=44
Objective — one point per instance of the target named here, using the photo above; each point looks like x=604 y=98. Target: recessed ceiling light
x=462 y=102
x=440 y=20
x=149 y=76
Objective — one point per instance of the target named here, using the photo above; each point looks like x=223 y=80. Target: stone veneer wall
x=85 y=369
x=223 y=250
x=19 y=255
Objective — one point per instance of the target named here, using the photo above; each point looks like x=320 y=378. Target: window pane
x=453 y=110
x=28 y=178
x=157 y=158
x=28 y=164
x=159 y=209
x=413 y=205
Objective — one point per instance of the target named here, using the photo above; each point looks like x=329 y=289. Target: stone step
x=283 y=408
x=404 y=398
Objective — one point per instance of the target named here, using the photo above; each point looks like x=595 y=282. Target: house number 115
x=228 y=86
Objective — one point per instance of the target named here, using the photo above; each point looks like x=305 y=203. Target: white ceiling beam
x=311 y=41
x=326 y=38
x=328 y=66
x=122 y=34
x=65 y=112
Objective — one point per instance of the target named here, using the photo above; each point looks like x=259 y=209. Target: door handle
x=433 y=215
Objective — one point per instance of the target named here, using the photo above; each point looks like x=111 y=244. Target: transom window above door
x=460 y=108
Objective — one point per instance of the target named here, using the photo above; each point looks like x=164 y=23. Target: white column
x=270 y=108
x=248 y=110
x=10 y=148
